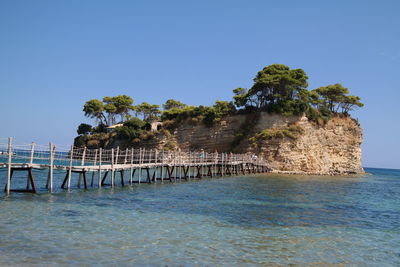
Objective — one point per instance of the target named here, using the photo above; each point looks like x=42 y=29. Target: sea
x=251 y=220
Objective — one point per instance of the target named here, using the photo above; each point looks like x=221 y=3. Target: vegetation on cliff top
x=292 y=132
x=276 y=89
x=282 y=90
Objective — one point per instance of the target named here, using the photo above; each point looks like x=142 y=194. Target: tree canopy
x=273 y=85
x=118 y=105
x=276 y=88
x=148 y=111
x=335 y=97
x=84 y=128
x=279 y=89
x=94 y=109
x=172 y=103
x=105 y=111
x=135 y=123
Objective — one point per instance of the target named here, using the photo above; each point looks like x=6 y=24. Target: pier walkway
x=111 y=167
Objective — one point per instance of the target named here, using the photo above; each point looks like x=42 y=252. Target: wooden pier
x=111 y=167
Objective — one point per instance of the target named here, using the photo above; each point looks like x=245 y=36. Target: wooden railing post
x=223 y=163
x=100 y=161
x=189 y=163
x=94 y=167
x=95 y=157
x=180 y=163
x=83 y=157
x=150 y=159
x=70 y=167
x=215 y=157
x=32 y=152
x=117 y=156
x=9 y=151
x=82 y=164
x=162 y=167
x=126 y=155
x=155 y=165
x=112 y=166
x=205 y=164
x=175 y=164
x=131 y=173
x=193 y=164
x=52 y=149
x=148 y=179
x=141 y=159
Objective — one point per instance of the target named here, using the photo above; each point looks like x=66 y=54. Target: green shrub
x=101 y=128
x=288 y=107
x=297 y=129
x=80 y=141
x=170 y=124
x=84 y=128
x=179 y=114
x=313 y=114
x=127 y=132
x=292 y=132
x=195 y=120
x=135 y=123
x=245 y=129
x=147 y=126
x=208 y=115
x=326 y=114
x=319 y=116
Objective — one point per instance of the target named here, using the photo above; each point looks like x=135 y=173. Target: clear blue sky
x=55 y=55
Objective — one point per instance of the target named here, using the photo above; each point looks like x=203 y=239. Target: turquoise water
x=257 y=220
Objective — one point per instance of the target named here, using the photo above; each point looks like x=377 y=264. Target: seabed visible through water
x=252 y=220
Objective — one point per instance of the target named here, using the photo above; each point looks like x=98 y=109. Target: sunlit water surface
x=253 y=221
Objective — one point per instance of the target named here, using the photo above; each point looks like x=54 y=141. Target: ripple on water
x=258 y=220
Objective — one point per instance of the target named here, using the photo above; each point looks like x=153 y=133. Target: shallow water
x=254 y=220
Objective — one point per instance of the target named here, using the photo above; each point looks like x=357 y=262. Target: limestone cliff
x=333 y=148
x=290 y=144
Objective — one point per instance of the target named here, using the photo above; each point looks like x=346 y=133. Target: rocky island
x=298 y=131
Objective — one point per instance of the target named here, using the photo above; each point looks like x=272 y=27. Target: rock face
x=222 y=136
x=289 y=144
x=334 y=148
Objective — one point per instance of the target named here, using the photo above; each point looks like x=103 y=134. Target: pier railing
x=42 y=155
x=81 y=159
